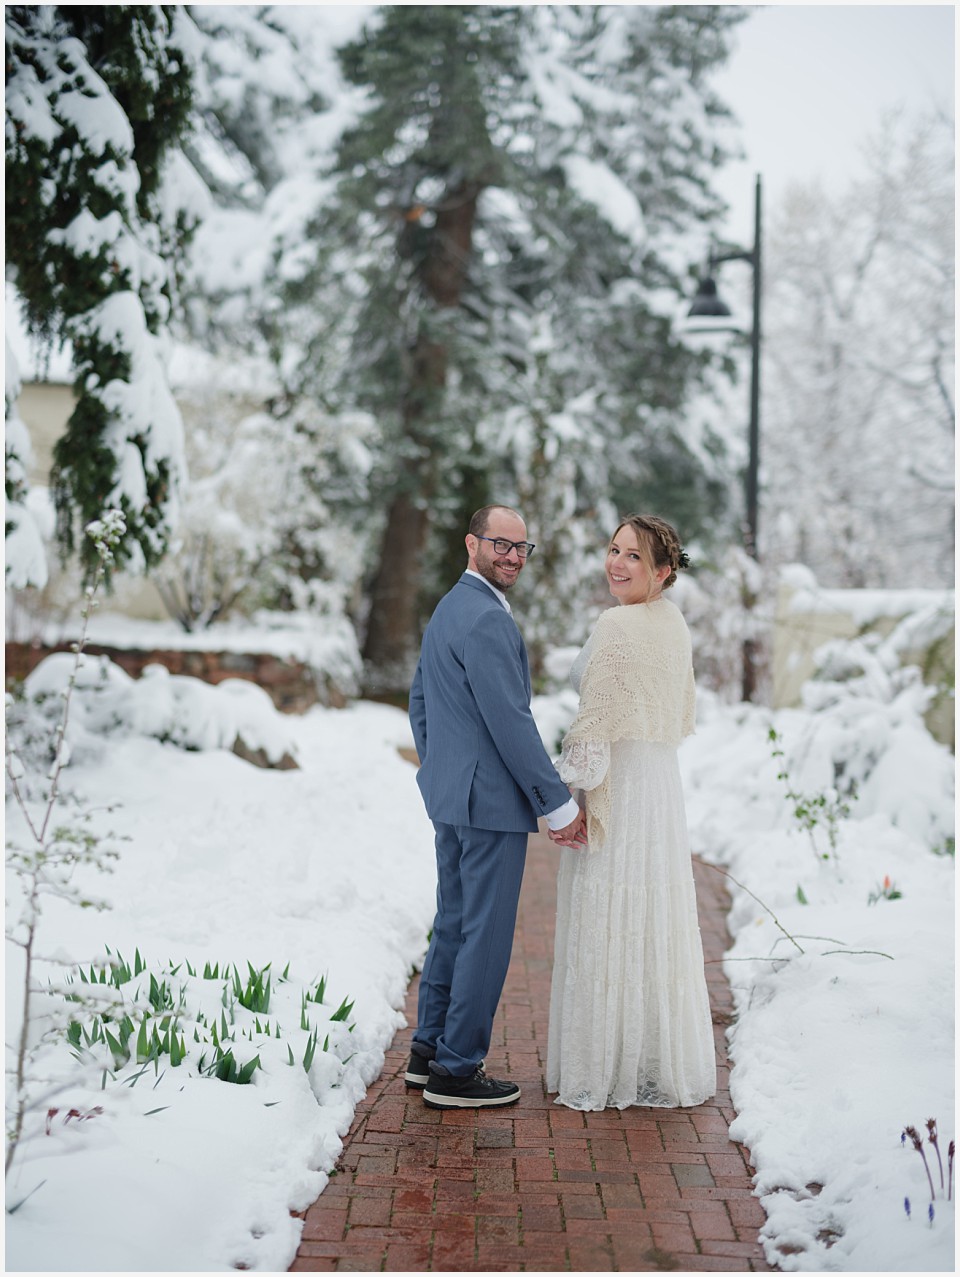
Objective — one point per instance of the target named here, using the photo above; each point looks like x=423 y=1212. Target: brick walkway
x=538 y=1187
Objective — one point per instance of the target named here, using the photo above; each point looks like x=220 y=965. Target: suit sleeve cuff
x=563 y=816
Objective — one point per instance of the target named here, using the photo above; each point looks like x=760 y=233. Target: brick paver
x=536 y=1187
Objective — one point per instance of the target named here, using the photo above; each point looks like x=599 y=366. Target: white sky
x=809 y=82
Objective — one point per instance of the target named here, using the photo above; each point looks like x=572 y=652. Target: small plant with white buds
x=50 y=854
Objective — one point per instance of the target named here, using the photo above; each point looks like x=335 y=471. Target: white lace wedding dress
x=629 y=1013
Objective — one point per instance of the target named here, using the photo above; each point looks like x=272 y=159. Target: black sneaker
x=476 y=1091
x=418 y=1069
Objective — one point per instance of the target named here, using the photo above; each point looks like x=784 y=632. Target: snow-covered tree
x=26 y=559
x=519 y=177
x=279 y=514
x=269 y=105
x=97 y=97
x=257 y=528
x=471 y=231
x=859 y=368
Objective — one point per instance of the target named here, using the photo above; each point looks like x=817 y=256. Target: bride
x=629 y=1014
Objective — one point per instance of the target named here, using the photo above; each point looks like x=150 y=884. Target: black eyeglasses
x=502 y=546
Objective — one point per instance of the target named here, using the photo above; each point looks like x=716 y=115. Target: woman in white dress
x=629 y=1013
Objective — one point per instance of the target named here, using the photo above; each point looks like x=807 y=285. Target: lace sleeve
x=584 y=764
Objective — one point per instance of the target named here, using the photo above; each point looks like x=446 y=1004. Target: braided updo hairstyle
x=659 y=544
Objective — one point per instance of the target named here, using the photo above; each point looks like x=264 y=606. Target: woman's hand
x=572 y=835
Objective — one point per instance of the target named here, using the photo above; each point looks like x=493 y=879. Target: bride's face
x=628 y=576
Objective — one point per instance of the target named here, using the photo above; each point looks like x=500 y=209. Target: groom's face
x=501 y=570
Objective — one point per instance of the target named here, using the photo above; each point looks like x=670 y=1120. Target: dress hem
x=628 y=1104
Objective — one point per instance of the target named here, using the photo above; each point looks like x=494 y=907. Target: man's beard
x=487 y=568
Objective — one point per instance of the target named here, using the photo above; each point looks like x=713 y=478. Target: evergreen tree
x=97 y=97
x=26 y=560
x=414 y=170
x=506 y=244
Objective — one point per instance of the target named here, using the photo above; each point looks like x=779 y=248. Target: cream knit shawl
x=637 y=685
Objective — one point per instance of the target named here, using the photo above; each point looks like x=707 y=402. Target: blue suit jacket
x=483 y=763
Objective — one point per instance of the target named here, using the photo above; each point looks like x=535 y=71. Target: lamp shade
x=707 y=303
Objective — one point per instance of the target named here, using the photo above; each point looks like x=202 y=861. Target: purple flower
x=930 y=1213
x=906 y=1206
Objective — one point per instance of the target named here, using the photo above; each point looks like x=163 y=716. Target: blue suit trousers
x=479 y=872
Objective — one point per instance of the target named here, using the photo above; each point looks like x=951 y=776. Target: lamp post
x=707 y=304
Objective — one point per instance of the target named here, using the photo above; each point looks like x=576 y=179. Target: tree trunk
x=388 y=659
x=393 y=637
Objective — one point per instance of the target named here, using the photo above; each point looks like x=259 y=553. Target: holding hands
x=572 y=835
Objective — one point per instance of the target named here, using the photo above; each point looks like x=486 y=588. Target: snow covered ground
x=843 y=990
x=845 y=998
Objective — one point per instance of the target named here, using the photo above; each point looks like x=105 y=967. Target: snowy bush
x=269 y=519
x=713 y=599
x=865 y=727
x=183 y=711
x=848 y=741
x=883 y=749
x=855 y=965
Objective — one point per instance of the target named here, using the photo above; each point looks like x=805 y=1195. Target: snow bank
x=842 y=963
x=326 y=871
x=184 y=711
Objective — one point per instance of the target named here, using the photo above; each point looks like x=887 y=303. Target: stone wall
x=292 y=686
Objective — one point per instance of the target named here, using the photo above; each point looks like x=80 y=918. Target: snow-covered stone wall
x=897 y=628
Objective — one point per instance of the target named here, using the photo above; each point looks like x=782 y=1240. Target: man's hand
x=572 y=835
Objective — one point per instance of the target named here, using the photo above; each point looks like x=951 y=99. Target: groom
x=485 y=777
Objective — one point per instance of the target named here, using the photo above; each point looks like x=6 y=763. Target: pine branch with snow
x=96 y=98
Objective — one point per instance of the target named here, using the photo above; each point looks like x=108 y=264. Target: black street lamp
x=708 y=305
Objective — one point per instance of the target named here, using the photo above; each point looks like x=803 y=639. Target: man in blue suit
x=485 y=778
